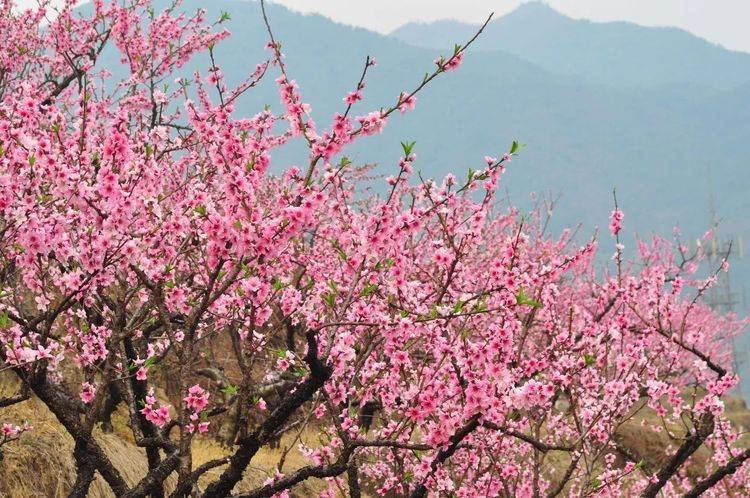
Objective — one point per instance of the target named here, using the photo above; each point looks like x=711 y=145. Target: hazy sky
x=721 y=21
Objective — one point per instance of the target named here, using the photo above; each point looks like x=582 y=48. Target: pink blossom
x=88 y=391
x=615 y=221
x=406 y=102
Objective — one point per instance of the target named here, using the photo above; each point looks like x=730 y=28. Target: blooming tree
x=437 y=341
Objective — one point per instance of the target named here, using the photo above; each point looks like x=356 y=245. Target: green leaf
x=640 y=464
x=590 y=359
x=149 y=150
x=332 y=285
x=4 y=320
x=225 y=16
x=386 y=263
x=330 y=299
x=281 y=353
x=369 y=289
x=515 y=147
x=523 y=300
x=229 y=390
x=596 y=483
x=339 y=250
x=470 y=175
x=277 y=284
x=32 y=160
x=408 y=147
x=238 y=224
x=458 y=307
x=200 y=209
x=170 y=284
x=404 y=313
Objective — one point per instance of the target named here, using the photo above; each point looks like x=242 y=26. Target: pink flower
x=406 y=102
x=451 y=63
x=372 y=123
x=197 y=398
x=353 y=97
x=615 y=221
x=88 y=391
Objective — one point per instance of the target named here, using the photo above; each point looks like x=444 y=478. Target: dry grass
x=41 y=463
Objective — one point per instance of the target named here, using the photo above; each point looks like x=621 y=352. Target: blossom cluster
x=438 y=340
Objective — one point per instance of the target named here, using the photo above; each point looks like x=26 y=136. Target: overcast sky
x=722 y=21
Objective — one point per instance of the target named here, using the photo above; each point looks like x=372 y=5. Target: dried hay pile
x=41 y=463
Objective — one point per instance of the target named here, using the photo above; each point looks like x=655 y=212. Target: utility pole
x=720 y=296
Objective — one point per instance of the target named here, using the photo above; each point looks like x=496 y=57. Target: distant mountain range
x=649 y=111
x=617 y=54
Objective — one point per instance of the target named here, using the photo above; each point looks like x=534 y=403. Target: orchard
x=437 y=341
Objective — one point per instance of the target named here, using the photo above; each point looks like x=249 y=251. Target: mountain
x=613 y=53
x=651 y=132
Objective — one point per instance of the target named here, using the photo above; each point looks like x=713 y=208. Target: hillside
x=613 y=53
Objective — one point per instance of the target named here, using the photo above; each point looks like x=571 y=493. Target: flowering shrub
x=438 y=342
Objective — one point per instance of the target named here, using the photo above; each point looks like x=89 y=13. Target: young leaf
x=408 y=147
x=515 y=147
x=330 y=299
x=339 y=250
x=523 y=300
x=332 y=285
x=369 y=289
x=277 y=284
